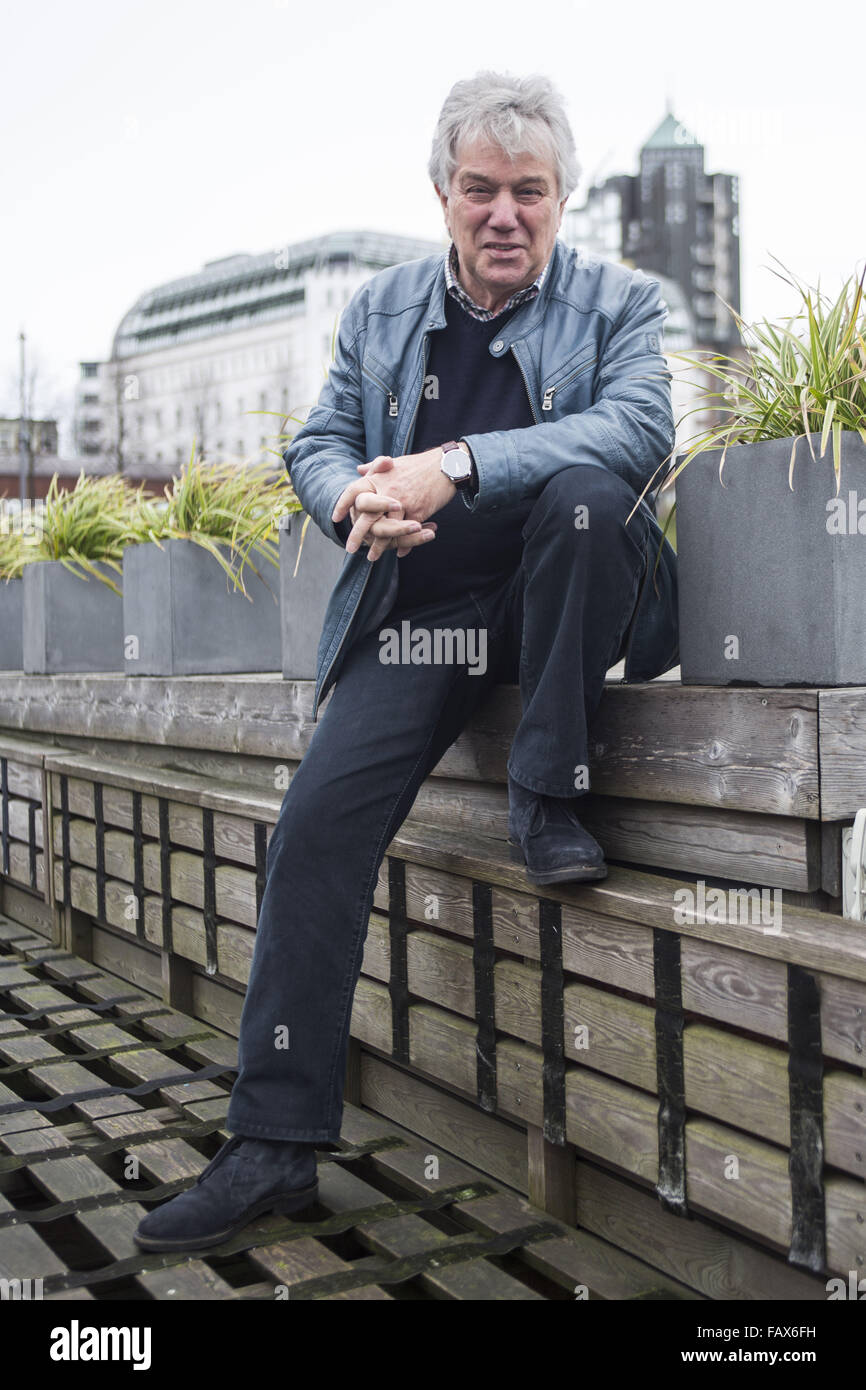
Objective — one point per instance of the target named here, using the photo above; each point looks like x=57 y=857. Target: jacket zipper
x=393 y=402
x=393 y=405
x=547 y=402
x=526 y=384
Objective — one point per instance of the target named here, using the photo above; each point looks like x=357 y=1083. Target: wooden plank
x=815 y=940
x=291 y=1262
x=572 y=1258
x=398 y=1237
x=489 y=1142
x=713 y=1261
x=741 y=749
x=841 y=722
x=843 y=1018
x=581 y=1263
x=70 y=1179
x=744 y=990
x=740 y=1179
x=23 y=1252
x=24 y=778
x=845 y=1203
x=19 y=822
x=747 y=750
x=551 y=1176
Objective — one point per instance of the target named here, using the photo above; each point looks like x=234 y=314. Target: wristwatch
x=456 y=463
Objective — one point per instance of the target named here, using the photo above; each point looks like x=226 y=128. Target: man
x=487 y=426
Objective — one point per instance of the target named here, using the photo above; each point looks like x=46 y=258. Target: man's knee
x=583 y=498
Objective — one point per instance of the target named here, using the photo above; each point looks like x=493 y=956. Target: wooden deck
x=97 y=1075
x=682 y=1094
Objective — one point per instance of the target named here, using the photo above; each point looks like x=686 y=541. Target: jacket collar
x=527 y=317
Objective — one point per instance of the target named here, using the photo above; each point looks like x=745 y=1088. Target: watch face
x=457 y=465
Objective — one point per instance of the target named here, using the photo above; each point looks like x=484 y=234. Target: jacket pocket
x=375 y=374
x=570 y=375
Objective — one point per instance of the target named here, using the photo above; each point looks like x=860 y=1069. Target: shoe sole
x=286 y=1204
x=588 y=874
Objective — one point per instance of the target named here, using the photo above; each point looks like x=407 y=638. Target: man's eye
x=531 y=193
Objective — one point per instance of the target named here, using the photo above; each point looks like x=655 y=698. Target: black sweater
x=467 y=391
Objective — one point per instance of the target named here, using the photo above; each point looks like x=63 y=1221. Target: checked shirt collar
x=456 y=290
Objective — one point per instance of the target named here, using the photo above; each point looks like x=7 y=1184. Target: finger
x=406 y=544
x=371 y=501
x=402 y=544
x=387 y=526
x=350 y=494
x=380 y=464
x=358 y=534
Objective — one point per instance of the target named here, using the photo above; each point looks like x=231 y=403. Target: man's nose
x=503 y=210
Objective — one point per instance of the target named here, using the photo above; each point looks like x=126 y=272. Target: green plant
x=81 y=527
x=221 y=506
x=804 y=376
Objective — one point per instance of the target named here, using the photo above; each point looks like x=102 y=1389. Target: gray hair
x=519 y=114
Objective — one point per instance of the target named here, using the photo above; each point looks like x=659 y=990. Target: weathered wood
x=842 y=730
x=490 y=1142
x=407 y=1235
x=19 y=822
x=24 y=906
x=815 y=940
x=551 y=1176
x=708 y=1258
x=760 y=753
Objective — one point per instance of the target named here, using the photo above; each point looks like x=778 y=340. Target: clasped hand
x=394 y=515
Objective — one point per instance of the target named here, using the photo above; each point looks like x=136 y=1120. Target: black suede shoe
x=548 y=839
x=245 y=1179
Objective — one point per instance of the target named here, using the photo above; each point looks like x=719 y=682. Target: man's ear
x=443 y=200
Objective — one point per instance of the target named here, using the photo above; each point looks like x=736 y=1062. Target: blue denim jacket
x=589 y=347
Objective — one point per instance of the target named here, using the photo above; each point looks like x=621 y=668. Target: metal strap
x=32 y=808
x=399 y=981
x=34 y=1158
x=806 y=1097
x=165 y=873
x=64 y=833
x=552 y=1019
x=81 y=1004
x=98 y=1053
x=210 y=931
x=138 y=864
x=286 y=1230
x=4 y=793
x=61 y=1028
x=99 y=818
x=459 y=1249
x=183 y=1078
x=670 y=1072
x=484 y=961
x=260 y=840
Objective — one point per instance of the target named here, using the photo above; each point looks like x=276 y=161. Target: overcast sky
x=140 y=140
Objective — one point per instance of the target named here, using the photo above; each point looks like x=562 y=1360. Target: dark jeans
x=556 y=625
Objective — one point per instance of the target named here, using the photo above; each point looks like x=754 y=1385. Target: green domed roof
x=670 y=135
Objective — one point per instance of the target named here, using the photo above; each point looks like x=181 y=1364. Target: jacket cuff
x=496 y=467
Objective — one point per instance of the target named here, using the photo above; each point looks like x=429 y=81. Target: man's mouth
x=502 y=246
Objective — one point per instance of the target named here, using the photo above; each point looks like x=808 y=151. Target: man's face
x=502 y=216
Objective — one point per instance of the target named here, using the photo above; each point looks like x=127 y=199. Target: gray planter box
x=70 y=623
x=11 y=625
x=772 y=581
x=186 y=617
x=305 y=595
